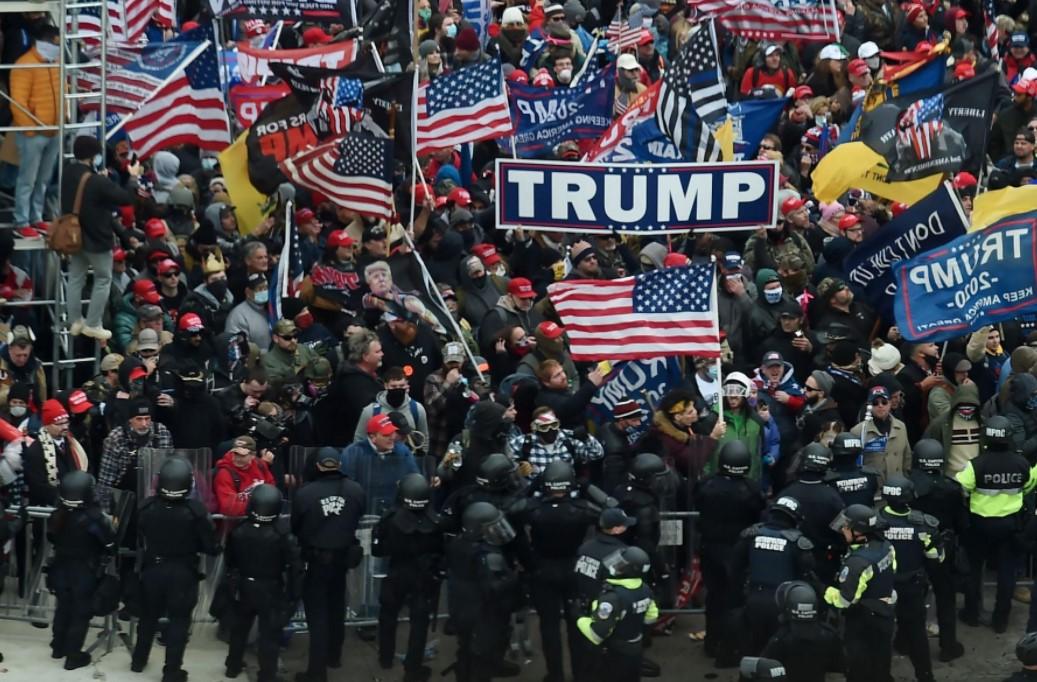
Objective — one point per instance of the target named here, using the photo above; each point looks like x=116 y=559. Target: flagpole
x=713 y=305
x=169 y=79
x=835 y=20
x=286 y=253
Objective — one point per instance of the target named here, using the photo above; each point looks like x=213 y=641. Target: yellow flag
x=725 y=137
x=856 y=165
x=990 y=207
x=248 y=201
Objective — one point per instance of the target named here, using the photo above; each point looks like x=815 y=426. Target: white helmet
x=737 y=385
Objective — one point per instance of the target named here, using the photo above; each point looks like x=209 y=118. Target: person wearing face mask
x=550 y=345
x=192 y=343
x=120 y=466
x=445 y=34
x=211 y=300
x=195 y=420
x=480 y=285
x=767 y=307
x=394 y=399
x=957 y=430
x=249 y=316
x=628 y=83
x=16 y=413
x=549 y=442
x=54 y=453
x=512 y=36
x=513 y=308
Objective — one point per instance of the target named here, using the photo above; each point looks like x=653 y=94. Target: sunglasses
x=811 y=389
x=171 y=273
x=768 y=148
x=291 y=337
x=880 y=401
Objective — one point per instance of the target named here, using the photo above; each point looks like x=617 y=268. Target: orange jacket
x=37 y=90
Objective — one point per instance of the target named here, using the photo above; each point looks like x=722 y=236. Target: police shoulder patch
x=844 y=574
x=604 y=610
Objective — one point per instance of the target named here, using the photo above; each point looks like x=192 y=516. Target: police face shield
x=617 y=565
x=499 y=532
x=840 y=522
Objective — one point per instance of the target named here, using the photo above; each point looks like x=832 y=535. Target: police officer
x=914 y=536
x=766 y=555
x=727 y=503
x=940 y=496
x=754 y=668
x=173 y=529
x=996 y=482
x=557 y=524
x=81 y=536
x=638 y=499
x=483 y=591
x=264 y=566
x=1026 y=652
x=819 y=504
x=411 y=538
x=807 y=647
x=855 y=484
x=325 y=516
x=616 y=621
x=865 y=592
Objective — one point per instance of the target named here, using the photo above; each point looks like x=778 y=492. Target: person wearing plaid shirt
x=548 y=442
x=119 y=462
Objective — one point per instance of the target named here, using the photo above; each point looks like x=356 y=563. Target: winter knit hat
x=53 y=411
x=824 y=381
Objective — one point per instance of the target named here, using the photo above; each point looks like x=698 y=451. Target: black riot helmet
x=898 y=491
x=755 y=668
x=76 y=489
x=815 y=458
x=859 y=518
x=997 y=433
x=484 y=521
x=846 y=444
x=558 y=476
x=734 y=458
x=628 y=562
x=797 y=601
x=646 y=467
x=497 y=472
x=1026 y=649
x=414 y=492
x=787 y=507
x=928 y=455
x=175 y=478
x=264 y=504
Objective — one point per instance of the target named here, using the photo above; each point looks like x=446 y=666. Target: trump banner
x=929 y=224
x=644 y=381
x=636 y=198
x=975 y=280
x=543 y=118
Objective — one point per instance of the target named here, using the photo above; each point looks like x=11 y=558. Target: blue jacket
x=377 y=474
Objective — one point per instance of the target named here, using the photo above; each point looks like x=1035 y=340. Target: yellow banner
x=248 y=201
x=990 y=207
x=855 y=165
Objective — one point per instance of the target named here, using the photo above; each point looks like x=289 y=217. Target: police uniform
x=913 y=535
x=819 y=504
x=172 y=534
x=325 y=515
x=857 y=485
x=865 y=591
x=616 y=624
x=996 y=482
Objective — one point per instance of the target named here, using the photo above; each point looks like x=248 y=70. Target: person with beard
x=410 y=345
x=355 y=387
x=333 y=287
x=446 y=399
x=797 y=345
x=119 y=453
x=821 y=408
x=614 y=256
x=479 y=291
x=628 y=84
x=584 y=260
x=550 y=345
x=835 y=303
x=795 y=278
x=885 y=437
x=238 y=473
x=286 y=357
x=917 y=377
x=674 y=436
x=513 y=308
x=765 y=248
x=191 y=344
x=848 y=391
x=54 y=453
x=195 y=420
x=556 y=393
x=395 y=398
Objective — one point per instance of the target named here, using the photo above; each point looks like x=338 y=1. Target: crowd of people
x=836 y=468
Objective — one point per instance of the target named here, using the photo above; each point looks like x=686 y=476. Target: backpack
x=413 y=411
x=66 y=234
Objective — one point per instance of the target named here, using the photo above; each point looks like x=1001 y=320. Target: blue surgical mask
x=208 y=162
x=451 y=31
x=262 y=296
x=711 y=372
x=98 y=162
x=425 y=13
x=772 y=295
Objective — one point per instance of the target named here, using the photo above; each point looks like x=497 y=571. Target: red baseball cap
x=118 y=255
x=521 y=287
x=421 y=192
x=137 y=373
x=339 y=238
x=460 y=197
x=791 y=205
x=381 y=424
x=304 y=215
x=487 y=253
x=146 y=291
x=964 y=69
x=78 y=402
x=964 y=180
x=166 y=265
x=550 y=329
x=955 y=13
x=315 y=36
x=155 y=228
x=189 y=26
x=858 y=67
x=675 y=260
x=848 y=221
x=898 y=207
x=190 y=322
x=802 y=92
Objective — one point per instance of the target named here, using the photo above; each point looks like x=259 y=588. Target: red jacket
x=783 y=79
x=232 y=486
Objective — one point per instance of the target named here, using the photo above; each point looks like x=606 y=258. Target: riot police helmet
x=628 y=562
x=1026 y=649
x=414 y=492
x=646 y=467
x=797 y=601
x=846 y=444
x=484 y=521
x=860 y=519
x=928 y=455
x=786 y=507
x=175 y=478
x=734 y=458
x=997 y=432
x=756 y=668
x=264 y=504
x=558 y=476
x=815 y=458
x=898 y=491
x=76 y=489
x=496 y=472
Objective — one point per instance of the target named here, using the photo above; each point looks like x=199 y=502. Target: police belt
x=998 y=491
x=883 y=608
x=917 y=576
x=624 y=647
x=185 y=559
x=324 y=556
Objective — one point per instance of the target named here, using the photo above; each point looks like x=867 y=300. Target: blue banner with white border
x=643 y=381
x=545 y=117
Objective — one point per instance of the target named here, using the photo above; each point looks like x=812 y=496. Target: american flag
x=920 y=125
x=289 y=274
x=623 y=34
x=990 y=33
x=189 y=109
x=663 y=312
x=127 y=19
x=338 y=106
x=355 y=172
x=692 y=99
x=464 y=106
x=811 y=20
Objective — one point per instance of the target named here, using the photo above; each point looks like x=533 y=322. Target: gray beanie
x=574 y=11
x=427 y=47
x=824 y=381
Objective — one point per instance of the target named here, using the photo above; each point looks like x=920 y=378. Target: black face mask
x=191 y=389
x=468 y=237
x=480 y=281
x=549 y=436
x=395 y=396
x=218 y=289
x=931 y=360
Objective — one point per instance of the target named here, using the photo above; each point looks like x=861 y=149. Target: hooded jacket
x=166 y=166
x=502 y=315
x=411 y=410
x=942 y=395
x=941 y=427
x=352 y=390
x=1022 y=389
x=233 y=486
x=783 y=413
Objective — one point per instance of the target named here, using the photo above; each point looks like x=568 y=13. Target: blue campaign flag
x=643 y=381
x=752 y=119
x=928 y=224
x=923 y=79
x=545 y=117
x=978 y=279
x=477 y=14
x=645 y=143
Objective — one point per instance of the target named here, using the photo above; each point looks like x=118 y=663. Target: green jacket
x=741 y=426
x=281 y=366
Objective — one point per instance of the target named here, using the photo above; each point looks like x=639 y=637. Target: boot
x=174 y=675
x=420 y=674
x=77 y=660
x=953 y=651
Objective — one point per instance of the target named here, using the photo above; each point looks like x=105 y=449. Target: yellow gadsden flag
x=855 y=165
x=248 y=201
x=990 y=207
x=725 y=137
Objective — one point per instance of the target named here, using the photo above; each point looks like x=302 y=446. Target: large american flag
x=664 y=312
x=921 y=124
x=990 y=33
x=692 y=98
x=810 y=20
x=338 y=106
x=464 y=106
x=127 y=19
x=355 y=172
x=624 y=34
x=189 y=109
